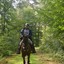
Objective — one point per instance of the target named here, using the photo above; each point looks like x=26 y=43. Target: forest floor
x=38 y=58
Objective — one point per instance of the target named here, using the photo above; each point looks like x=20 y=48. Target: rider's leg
x=19 y=47
x=32 y=46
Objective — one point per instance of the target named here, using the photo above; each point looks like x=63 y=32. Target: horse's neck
x=25 y=41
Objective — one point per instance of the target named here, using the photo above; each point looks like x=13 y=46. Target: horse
x=26 y=50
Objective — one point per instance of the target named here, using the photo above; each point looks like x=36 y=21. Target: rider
x=27 y=32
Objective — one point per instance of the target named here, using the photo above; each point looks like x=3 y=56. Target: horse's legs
x=24 y=60
x=28 y=59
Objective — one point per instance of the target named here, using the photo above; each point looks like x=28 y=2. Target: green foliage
x=59 y=56
x=46 y=19
x=53 y=23
x=7 y=53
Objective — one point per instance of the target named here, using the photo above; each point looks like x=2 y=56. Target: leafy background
x=46 y=19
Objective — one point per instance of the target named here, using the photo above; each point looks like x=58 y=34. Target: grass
x=17 y=59
x=38 y=58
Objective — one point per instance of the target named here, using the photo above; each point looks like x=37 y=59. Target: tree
x=52 y=15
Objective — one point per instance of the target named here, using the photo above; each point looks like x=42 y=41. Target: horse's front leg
x=23 y=60
x=28 y=59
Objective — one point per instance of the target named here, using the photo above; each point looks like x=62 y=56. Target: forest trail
x=37 y=58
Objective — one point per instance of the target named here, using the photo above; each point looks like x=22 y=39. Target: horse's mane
x=25 y=40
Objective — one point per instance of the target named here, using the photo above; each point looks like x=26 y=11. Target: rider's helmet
x=26 y=25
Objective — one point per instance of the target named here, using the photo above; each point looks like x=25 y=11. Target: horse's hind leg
x=23 y=60
x=28 y=59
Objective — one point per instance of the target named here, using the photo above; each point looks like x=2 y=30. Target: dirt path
x=37 y=58
x=45 y=59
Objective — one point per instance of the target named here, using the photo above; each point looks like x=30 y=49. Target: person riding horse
x=26 y=32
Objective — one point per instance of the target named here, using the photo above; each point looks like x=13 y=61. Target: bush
x=7 y=53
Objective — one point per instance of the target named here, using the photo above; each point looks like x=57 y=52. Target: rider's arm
x=30 y=34
x=21 y=34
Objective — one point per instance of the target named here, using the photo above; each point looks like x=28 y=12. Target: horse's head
x=25 y=39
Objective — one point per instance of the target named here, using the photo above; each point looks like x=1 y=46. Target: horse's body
x=26 y=50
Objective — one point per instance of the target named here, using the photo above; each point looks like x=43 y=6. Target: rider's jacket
x=26 y=32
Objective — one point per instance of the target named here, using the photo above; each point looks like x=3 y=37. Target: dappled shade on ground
x=38 y=58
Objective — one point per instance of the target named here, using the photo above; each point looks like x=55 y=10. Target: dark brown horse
x=26 y=50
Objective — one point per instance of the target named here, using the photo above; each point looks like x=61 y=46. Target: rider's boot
x=19 y=46
x=33 y=48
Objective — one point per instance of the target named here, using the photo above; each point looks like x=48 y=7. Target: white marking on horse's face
x=23 y=47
